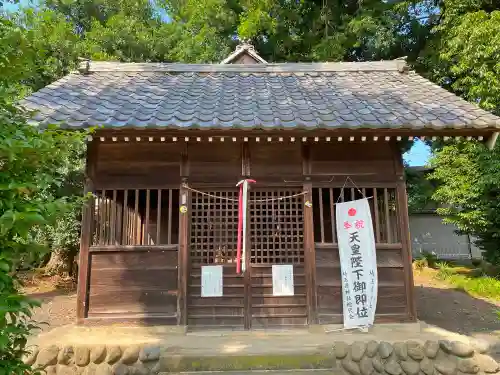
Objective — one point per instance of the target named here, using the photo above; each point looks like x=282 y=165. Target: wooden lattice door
x=213 y=239
x=275 y=236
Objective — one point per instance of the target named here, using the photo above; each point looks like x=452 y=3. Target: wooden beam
x=113 y=222
x=84 y=261
x=306 y=159
x=321 y=217
x=169 y=229
x=131 y=248
x=492 y=140
x=147 y=235
x=158 y=218
x=299 y=134
x=245 y=160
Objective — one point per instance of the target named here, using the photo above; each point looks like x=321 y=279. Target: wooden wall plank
x=329 y=257
x=133 y=301
x=134 y=260
x=132 y=282
x=159 y=278
x=269 y=165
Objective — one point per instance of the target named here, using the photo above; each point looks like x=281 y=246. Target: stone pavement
x=175 y=340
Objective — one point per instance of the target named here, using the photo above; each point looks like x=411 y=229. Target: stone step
x=242 y=363
x=258 y=372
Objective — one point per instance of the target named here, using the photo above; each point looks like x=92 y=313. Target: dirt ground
x=454 y=310
x=437 y=304
x=57 y=296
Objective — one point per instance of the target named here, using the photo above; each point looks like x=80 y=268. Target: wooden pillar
x=404 y=225
x=309 y=250
x=248 y=276
x=310 y=256
x=247 y=297
x=183 y=258
x=85 y=239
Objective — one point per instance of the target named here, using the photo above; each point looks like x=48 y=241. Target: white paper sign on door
x=283 y=280
x=358 y=262
x=211 y=281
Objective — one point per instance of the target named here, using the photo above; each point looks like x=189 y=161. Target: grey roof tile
x=345 y=95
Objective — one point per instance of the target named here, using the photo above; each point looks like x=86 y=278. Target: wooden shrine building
x=175 y=139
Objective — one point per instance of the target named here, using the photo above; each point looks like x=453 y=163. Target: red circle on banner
x=351 y=212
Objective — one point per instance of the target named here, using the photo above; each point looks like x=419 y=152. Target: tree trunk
x=60 y=263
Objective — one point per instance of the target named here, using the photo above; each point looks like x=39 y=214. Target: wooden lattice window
x=135 y=217
x=214 y=226
x=276 y=226
x=383 y=207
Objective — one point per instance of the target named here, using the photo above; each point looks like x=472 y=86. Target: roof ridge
x=107 y=66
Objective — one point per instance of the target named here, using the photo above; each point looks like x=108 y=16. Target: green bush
x=31 y=163
x=445 y=270
x=426 y=259
x=420 y=264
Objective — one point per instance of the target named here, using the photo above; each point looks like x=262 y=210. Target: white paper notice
x=283 y=280
x=211 y=281
x=358 y=262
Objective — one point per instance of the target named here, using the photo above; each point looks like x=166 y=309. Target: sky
x=418 y=155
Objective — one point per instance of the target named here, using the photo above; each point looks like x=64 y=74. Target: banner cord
x=269 y=199
x=250 y=201
x=348 y=178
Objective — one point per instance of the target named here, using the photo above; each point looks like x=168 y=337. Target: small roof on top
x=382 y=95
x=243 y=49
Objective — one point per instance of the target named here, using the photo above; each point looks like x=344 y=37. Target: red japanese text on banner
x=358 y=262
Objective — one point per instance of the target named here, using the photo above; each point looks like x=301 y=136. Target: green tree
x=419 y=189
x=463 y=56
x=468 y=177
x=50 y=49
x=82 y=13
x=30 y=162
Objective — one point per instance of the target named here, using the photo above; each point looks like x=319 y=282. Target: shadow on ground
x=456 y=311
x=48 y=295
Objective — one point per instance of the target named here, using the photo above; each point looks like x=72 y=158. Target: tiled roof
x=330 y=95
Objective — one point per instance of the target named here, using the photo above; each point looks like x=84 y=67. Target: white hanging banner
x=283 y=280
x=211 y=281
x=358 y=262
